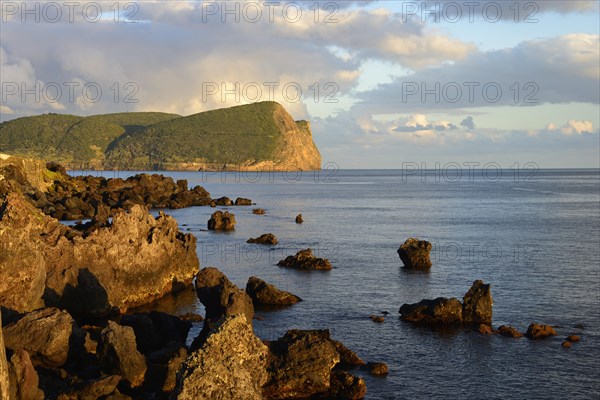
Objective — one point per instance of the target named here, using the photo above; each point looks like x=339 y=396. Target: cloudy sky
x=382 y=82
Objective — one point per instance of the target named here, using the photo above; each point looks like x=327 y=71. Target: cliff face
x=259 y=136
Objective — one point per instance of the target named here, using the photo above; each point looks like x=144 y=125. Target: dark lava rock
x=299 y=219
x=345 y=386
x=221 y=297
x=49 y=335
x=266 y=238
x=538 y=331
x=301 y=365
x=240 y=201
x=377 y=368
x=477 y=304
x=265 y=294
x=224 y=201
x=305 y=260
x=414 y=253
x=118 y=354
x=509 y=331
x=437 y=311
x=221 y=221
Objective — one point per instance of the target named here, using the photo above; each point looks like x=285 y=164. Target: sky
x=383 y=83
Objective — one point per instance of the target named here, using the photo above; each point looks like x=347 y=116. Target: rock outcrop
x=265 y=294
x=242 y=201
x=437 y=311
x=305 y=260
x=266 y=238
x=345 y=386
x=49 y=336
x=301 y=365
x=221 y=297
x=477 y=304
x=539 y=331
x=231 y=364
x=133 y=260
x=221 y=221
x=414 y=253
x=118 y=354
x=476 y=310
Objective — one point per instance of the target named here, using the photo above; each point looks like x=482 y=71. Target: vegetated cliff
x=259 y=136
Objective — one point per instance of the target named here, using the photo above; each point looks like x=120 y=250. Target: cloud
x=562 y=69
x=572 y=127
x=468 y=123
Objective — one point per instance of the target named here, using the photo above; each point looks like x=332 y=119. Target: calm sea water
x=534 y=236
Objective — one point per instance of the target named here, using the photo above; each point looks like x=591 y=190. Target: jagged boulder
x=24 y=380
x=221 y=221
x=437 y=311
x=266 y=238
x=414 y=253
x=49 y=335
x=539 y=331
x=221 y=297
x=301 y=365
x=265 y=294
x=118 y=354
x=477 y=304
x=231 y=364
x=305 y=260
x=345 y=386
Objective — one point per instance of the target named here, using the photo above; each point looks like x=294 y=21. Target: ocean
x=535 y=237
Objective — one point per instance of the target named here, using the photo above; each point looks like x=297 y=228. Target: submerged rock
x=230 y=364
x=477 y=304
x=266 y=238
x=265 y=294
x=118 y=354
x=437 y=311
x=258 y=211
x=48 y=335
x=414 y=253
x=221 y=221
x=538 y=331
x=305 y=260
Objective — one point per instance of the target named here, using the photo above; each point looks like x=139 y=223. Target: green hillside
x=225 y=136
x=260 y=135
x=70 y=138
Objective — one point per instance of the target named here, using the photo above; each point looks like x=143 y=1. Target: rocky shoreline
x=65 y=294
